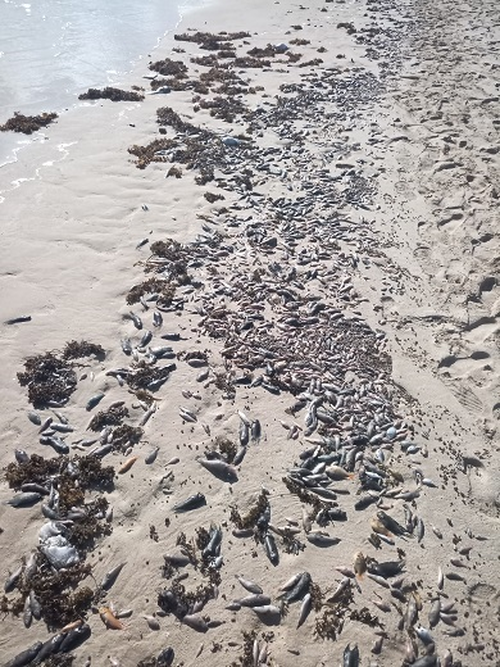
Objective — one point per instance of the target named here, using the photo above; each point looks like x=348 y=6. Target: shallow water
x=52 y=50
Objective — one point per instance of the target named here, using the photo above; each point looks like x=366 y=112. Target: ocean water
x=52 y=50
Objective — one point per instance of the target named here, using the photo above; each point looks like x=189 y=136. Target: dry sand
x=371 y=192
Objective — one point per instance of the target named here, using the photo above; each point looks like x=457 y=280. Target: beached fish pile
x=268 y=294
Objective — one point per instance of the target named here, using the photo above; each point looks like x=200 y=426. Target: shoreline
x=310 y=369
x=11 y=143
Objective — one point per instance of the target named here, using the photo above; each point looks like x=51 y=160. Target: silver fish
x=320 y=539
x=305 y=609
x=195 y=622
x=24 y=499
x=111 y=576
x=12 y=580
x=34 y=418
x=94 y=400
x=250 y=586
x=254 y=600
x=222 y=470
x=151 y=457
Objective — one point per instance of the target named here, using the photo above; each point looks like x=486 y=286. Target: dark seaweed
x=27 y=124
x=113 y=94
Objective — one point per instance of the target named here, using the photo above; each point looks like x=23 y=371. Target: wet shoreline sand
x=298 y=243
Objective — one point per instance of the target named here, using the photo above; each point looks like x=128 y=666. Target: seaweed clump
x=163 y=288
x=331 y=622
x=36 y=470
x=211 y=41
x=111 y=417
x=27 y=124
x=113 y=94
x=125 y=436
x=246 y=659
x=50 y=380
x=76 y=350
x=59 y=600
x=155 y=151
x=224 y=108
x=169 y=67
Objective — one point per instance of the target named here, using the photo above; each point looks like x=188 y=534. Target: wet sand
x=327 y=259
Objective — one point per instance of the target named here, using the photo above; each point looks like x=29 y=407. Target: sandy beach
x=250 y=408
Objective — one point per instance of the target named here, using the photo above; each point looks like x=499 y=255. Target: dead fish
x=239 y=456
x=424 y=635
x=337 y=474
x=268 y=613
x=94 y=400
x=74 y=638
x=165 y=657
x=305 y=609
x=350 y=657
x=13 y=579
x=72 y=625
x=48 y=648
x=434 y=612
x=35 y=606
x=249 y=585
x=291 y=582
x=31 y=566
x=21 y=456
x=365 y=501
x=376 y=649
x=152 y=622
x=187 y=415
x=383 y=606
x=222 y=470
x=271 y=549
x=151 y=457
x=19 y=320
x=440 y=579
x=24 y=499
x=391 y=524
x=359 y=564
x=135 y=319
x=386 y=569
x=177 y=560
x=109 y=619
x=345 y=583
x=320 y=539
x=420 y=530
x=27 y=614
x=45 y=425
x=147 y=415
x=195 y=622
x=255 y=430
x=173 y=461
x=437 y=532
x=125 y=467
x=111 y=576
x=62 y=427
x=193 y=502
x=244 y=433
x=203 y=375
x=254 y=600
x=34 y=418
x=25 y=657
x=299 y=589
